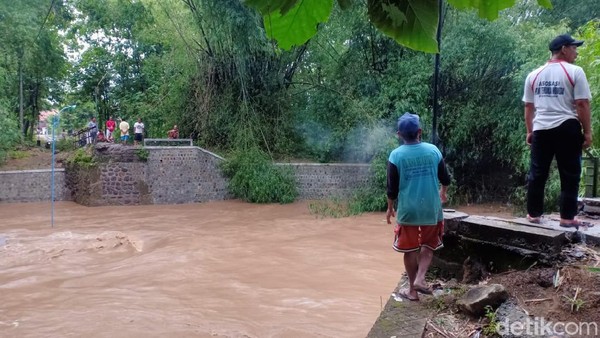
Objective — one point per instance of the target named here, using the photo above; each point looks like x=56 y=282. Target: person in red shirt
x=110 y=127
x=173 y=133
x=101 y=137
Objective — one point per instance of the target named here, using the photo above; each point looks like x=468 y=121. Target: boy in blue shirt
x=415 y=171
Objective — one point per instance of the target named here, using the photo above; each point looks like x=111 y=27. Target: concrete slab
x=591 y=201
x=590 y=235
x=591 y=209
x=401 y=318
x=487 y=236
x=504 y=232
x=451 y=214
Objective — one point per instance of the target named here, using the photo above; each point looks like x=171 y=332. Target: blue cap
x=408 y=124
x=563 y=40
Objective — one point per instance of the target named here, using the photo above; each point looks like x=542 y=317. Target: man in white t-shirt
x=558 y=120
x=138 y=130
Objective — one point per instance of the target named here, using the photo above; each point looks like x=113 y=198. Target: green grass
x=18 y=154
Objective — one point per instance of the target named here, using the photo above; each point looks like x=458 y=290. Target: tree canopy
x=300 y=80
x=411 y=23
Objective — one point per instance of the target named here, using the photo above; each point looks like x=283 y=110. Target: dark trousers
x=564 y=142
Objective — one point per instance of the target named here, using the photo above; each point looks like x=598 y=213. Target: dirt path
x=31 y=159
x=223 y=269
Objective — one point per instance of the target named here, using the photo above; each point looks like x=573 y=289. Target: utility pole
x=436 y=77
x=21 y=124
x=55 y=120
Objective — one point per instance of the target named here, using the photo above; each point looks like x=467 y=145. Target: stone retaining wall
x=170 y=175
x=33 y=186
x=184 y=175
x=318 y=181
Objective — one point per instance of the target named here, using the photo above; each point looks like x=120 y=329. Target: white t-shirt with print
x=553 y=89
x=138 y=128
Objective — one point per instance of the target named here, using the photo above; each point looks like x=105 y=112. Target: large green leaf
x=412 y=23
x=292 y=26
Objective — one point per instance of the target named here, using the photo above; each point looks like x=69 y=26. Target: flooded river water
x=219 y=269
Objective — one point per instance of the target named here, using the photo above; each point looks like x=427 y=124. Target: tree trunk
x=34 y=110
x=21 y=98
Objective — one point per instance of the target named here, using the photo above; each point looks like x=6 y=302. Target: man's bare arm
x=585 y=118
x=529 y=115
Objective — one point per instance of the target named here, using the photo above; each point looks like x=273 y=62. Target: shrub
x=551 y=194
x=17 y=154
x=369 y=198
x=81 y=157
x=335 y=207
x=254 y=178
x=142 y=154
x=373 y=196
x=66 y=144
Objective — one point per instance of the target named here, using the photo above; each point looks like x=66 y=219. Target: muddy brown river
x=219 y=269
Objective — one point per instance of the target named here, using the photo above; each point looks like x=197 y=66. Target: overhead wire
x=45 y=19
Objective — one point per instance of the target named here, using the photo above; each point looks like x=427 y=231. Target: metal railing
x=168 y=142
x=593 y=160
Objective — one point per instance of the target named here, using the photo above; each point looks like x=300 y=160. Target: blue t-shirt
x=418 y=198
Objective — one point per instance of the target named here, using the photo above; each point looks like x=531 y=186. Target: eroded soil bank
x=222 y=269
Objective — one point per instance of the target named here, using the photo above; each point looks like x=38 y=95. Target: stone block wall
x=318 y=180
x=127 y=175
x=123 y=183
x=118 y=178
x=185 y=175
x=33 y=186
x=152 y=175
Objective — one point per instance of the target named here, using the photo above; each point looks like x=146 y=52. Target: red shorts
x=408 y=238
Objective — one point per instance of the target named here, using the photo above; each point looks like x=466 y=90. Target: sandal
x=404 y=294
x=424 y=290
x=576 y=224
x=534 y=220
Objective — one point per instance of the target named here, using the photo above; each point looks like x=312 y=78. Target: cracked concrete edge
x=401 y=319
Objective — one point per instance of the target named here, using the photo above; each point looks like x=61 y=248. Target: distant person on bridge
x=101 y=137
x=558 y=120
x=124 y=128
x=173 y=133
x=110 y=127
x=92 y=130
x=414 y=173
x=138 y=129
